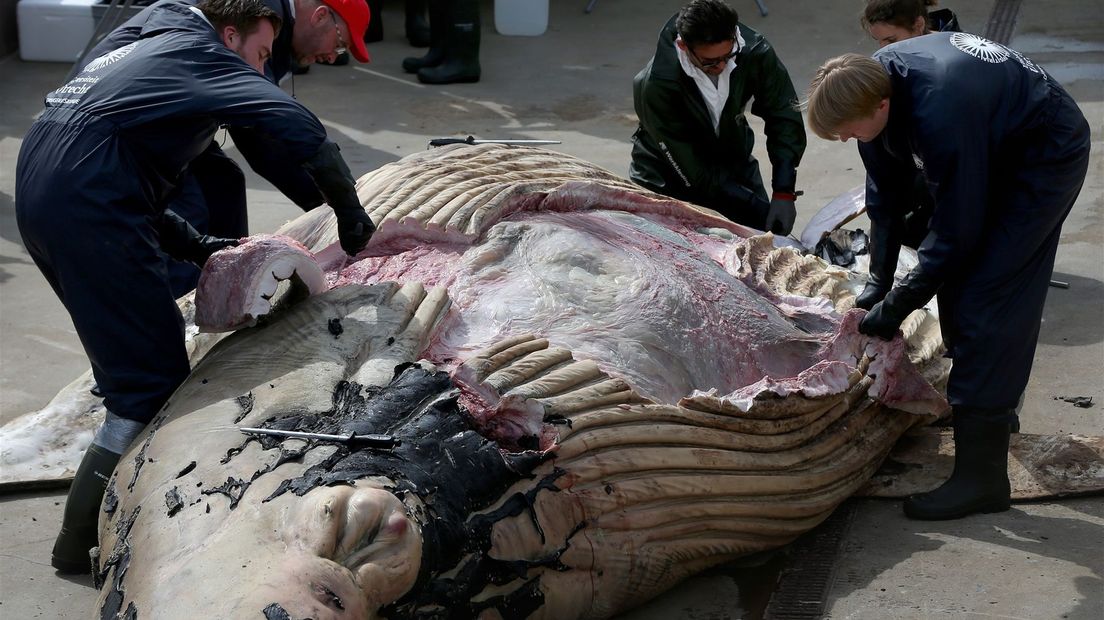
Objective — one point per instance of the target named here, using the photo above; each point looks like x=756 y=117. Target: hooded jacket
x=676 y=151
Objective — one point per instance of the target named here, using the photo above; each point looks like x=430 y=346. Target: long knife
x=384 y=442
x=472 y=140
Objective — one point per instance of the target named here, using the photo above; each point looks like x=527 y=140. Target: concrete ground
x=1039 y=560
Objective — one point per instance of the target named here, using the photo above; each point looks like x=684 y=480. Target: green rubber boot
x=82 y=508
x=440 y=20
x=417 y=26
x=461 y=50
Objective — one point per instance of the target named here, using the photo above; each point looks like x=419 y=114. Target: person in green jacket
x=694 y=142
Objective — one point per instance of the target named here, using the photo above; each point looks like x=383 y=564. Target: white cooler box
x=54 y=30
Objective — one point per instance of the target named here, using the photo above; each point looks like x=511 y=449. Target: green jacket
x=676 y=151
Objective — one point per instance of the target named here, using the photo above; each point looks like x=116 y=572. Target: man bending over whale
x=94 y=175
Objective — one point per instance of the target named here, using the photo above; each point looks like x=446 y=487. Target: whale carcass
x=597 y=392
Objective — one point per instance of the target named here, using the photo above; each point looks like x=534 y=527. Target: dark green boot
x=461 y=60
x=417 y=28
x=82 y=510
x=979 y=482
x=440 y=16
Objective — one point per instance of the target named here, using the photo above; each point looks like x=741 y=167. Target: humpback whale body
x=594 y=393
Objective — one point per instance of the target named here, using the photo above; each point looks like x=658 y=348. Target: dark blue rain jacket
x=152 y=18
x=96 y=171
x=218 y=195
x=1004 y=150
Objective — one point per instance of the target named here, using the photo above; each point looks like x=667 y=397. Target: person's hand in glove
x=179 y=240
x=870 y=295
x=885 y=246
x=883 y=320
x=782 y=213
x=332 y=176
x=205 y=245
x=354 y=229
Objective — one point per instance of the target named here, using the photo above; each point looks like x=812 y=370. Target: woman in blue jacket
x=1004 y=150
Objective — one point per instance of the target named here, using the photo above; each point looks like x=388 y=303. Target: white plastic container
x=525 y=18
x=54 y=30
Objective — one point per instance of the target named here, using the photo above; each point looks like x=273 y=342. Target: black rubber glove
x=883 y=320
x=354 y=229
x=870 y=295
x=183 y=242
x=781 y=215
x=331 y=174
x=885 y=246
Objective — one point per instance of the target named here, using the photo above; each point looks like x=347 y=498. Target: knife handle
x=444 y=141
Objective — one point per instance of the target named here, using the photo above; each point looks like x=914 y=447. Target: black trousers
x=991 y=313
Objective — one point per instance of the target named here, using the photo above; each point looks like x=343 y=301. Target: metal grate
x=802 y=591
x=1002 y=21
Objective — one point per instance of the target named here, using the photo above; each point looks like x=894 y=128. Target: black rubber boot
x=417 y=26
x=461 y=62
x=82 y=509
x=374 y=32
x=979 y=482
x=440 y=16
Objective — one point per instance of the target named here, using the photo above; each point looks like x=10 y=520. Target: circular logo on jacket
x=109 y=58
x=979 y=48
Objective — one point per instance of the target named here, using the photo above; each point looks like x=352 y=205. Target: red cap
x=356 y=15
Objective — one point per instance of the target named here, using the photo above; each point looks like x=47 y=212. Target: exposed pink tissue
x=634 y=296
x=897 y=381
x=631 y=283
x=585 y=196
x=429 y=264
x=395 y=236
x=824 y=378
x=506 y=420
x=237 y=284
x=332 y=259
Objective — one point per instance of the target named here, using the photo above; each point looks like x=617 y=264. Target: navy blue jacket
x=160 y=100
x=96 y=171
x=264 y=155
x=963 y=109
x=141 y=26
x=1004 y=150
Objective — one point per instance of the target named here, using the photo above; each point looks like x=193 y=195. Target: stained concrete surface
x=1039 y=560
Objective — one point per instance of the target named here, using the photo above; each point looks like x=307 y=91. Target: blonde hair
x=845 y=88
